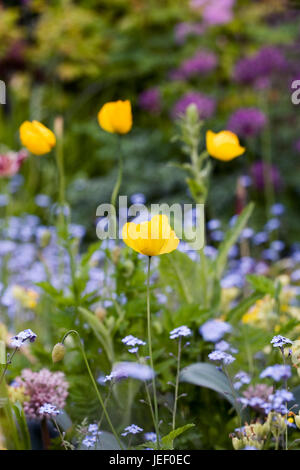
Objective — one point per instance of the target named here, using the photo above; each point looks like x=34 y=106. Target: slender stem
x=234 y=394
x=286 y=417
x=59 y=156
x=117 y=187
x=150 y=353
x=148 y=397
x=94 y=385
x=120 y=175
x=267 y=159
x=60 y=434
x=45 y=433
x=6 y=365
x=176 y=385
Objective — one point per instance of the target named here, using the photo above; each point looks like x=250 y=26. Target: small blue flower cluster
x=180 y=332
x=132 y=429
x=26 y=335
x=91 y=438
x=277 y=372
x=221 y=357
x=49 y=410
x=133 y=342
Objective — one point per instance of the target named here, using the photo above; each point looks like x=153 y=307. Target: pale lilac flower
x=214 y=330
x=240 y=379
x=133 y=342
x=280 y=341
x=49 y=410
x=132 y=429
x=277 y=209
x=150 y=436
x=134 y=370
x=179 y=332
x=89 y=441
x=277 y=372
x=220 y=356
x=18 y=340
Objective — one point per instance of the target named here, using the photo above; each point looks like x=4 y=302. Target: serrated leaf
x=168 y=440
x=262 y=284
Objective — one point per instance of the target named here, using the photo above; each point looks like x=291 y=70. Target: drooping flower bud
x=58 y=352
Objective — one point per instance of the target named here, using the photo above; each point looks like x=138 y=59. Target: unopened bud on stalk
x=58 y=352
x=100 y=313
x=115 y=255
x=59 y=126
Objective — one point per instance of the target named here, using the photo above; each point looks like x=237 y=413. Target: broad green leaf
x=207 y=375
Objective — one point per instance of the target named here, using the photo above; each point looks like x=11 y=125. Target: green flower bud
x=58 y=352
x=45 y=238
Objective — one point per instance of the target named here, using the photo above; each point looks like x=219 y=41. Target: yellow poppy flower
x=151 y=238
x=116 y=117
x=36 y=137
x=223 y=145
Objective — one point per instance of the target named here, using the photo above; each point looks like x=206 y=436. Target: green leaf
x=183 y=275
x=237 y=312
x=2 y=353
x=230 y=239
x=168 y=440
x=207 y=375
x=262 y=284
x=100 y=331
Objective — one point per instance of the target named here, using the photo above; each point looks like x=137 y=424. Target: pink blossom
x=10 y=162
x=43 y=387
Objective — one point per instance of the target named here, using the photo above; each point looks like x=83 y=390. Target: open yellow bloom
x=116 y=117
x=223 y=145
x=151 y=238
x=36 y=137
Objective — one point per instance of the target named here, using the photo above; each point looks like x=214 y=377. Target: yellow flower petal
x=116 y=117
x=36 y=137
x=151 y=238
x=223 y=145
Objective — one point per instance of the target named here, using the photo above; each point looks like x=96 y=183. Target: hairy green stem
x=151 y=354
